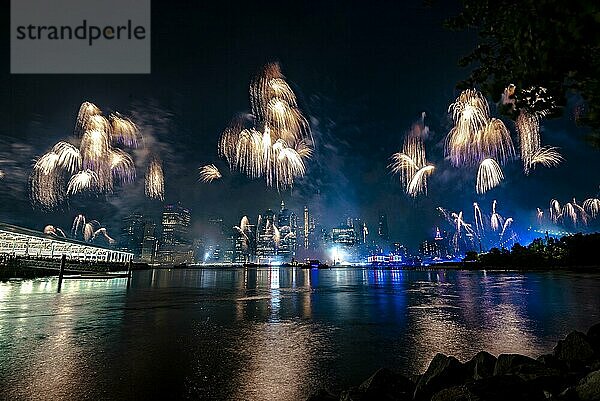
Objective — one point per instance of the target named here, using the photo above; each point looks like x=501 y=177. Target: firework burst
x=496 y=219
x=478 y=218
x=489 y=175
x=539 y=215
x=93 y=166
x=52 y=230
x=209 y=173
x=547 y=156
x=507 y=223
x=121 y=166
x=592 y=206
x=475 y=136
x=555 y=210
x=124 y=131
x=532 y=153
x=275 y=141
x=86 y=111
x=411 y=163
x=82 y=181
x=155 y=183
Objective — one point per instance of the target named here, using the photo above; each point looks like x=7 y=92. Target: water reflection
x=269 y=333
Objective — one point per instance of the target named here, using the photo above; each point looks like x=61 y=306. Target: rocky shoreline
x=570 y=373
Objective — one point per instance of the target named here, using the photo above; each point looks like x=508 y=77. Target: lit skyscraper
x=132 y=234
x=288 y=225
x=149 y=243
x=175 y=245
x=306 y=227
x=343 y=235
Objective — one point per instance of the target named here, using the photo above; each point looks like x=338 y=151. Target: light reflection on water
x=269 y=333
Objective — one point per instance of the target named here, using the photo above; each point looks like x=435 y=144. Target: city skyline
x=358 y=117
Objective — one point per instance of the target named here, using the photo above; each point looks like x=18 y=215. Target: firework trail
x=478 y=218
x=540 y=215
x=86 y=111
x=88 y=231
x=122 y=166
x=507 y=224
x=583 y=217
x=69 y=156
x=555 y=210
x=495 y=220
x=411 y=163
x=568 y=211
x=275 y=140
x=209 y=173
x=47 y=182
x=592 y=206
x=82 y=181
x=102 y=231
x=276 y=236
x=78 y=224
x=50 y=229
x=547 y=156
x=244 y=230
x=418 y=184
x=155 y=183
x=489 y=175
x=532 y=153
x=463 y=232
x=475 y=136
x=124 y=131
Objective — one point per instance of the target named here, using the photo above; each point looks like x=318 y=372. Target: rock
x=387 y=385
x=588 y=388
x=501 y=388
x=382 y=385
x=443 y=372
x=507 y=362
x=575 y=347
x=551 y=361
x=415 y=378
x=323 y=395
x=593 y=336
x=483 y=365
x=542 y=378
x=536 y=375
x=569 y=394
x=352 y=394
x=456 y=393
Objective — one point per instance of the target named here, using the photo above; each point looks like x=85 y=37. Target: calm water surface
x=269 y=334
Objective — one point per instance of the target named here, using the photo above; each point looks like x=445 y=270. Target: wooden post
x=128 y=273
x=63 y=261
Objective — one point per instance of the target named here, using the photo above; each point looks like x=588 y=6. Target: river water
x=269 y=334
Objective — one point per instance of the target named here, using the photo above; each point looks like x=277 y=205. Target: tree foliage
x=570 y=251
x=547 y=49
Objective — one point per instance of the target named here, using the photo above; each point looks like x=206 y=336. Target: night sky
x=363 y=73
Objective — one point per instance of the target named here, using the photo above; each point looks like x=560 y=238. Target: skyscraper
x=343 y=235
x=267 y=236
x=288 y=225
x=306 y=227
x=382 y=228
x=149 y=243
x=175 y=245
x=132 y=234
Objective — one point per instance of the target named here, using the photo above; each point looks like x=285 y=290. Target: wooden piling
x=63 y=262
x=128 y=273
